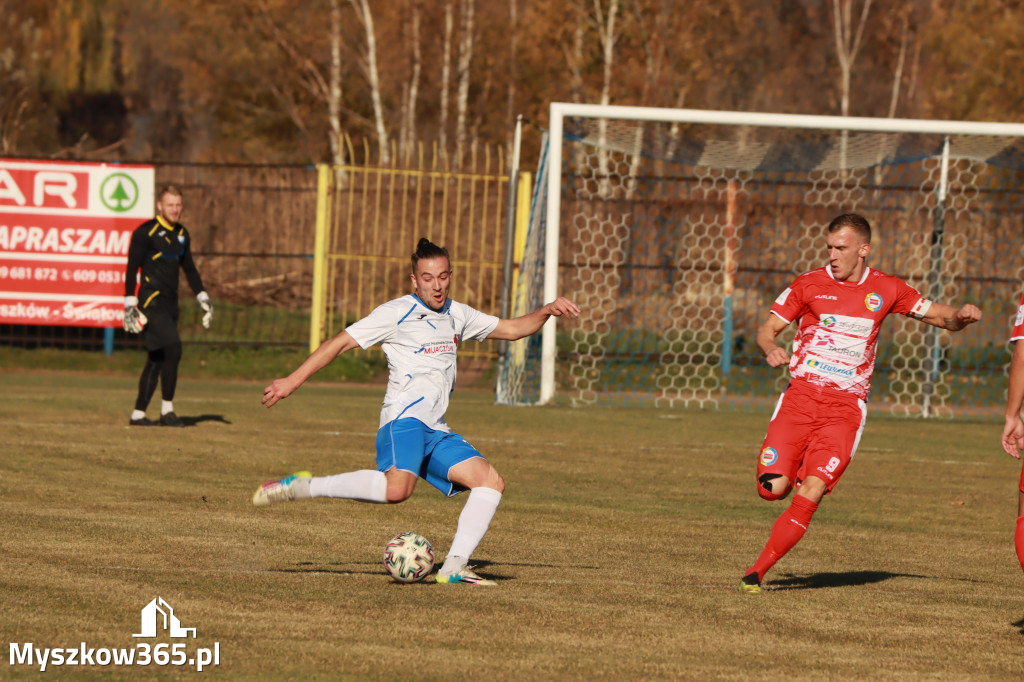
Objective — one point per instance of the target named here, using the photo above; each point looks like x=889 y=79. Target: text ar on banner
x=64 y=234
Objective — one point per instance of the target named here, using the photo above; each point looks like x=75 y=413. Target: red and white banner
x=64 y=233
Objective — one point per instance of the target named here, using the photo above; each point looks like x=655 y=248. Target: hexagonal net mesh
x=676 y=239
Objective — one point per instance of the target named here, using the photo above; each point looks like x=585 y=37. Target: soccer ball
x=408 y=557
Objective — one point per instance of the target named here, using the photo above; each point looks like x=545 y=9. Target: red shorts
x=813 y=432
x=1021 y=486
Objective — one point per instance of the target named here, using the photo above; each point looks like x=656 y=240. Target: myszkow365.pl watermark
x=157 y=616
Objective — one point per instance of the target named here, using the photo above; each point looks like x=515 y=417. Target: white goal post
x=625 y=149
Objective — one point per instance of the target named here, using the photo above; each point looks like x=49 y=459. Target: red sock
x=1018 y=540
x=787 y=531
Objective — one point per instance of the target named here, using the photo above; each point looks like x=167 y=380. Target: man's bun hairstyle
x=427 y=249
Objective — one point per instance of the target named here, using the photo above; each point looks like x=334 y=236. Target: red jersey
x=836 y=340
x=1018 y=322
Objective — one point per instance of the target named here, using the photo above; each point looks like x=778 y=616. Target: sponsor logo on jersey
x=1020 y=316
x=827 y=297
x=439 y=347
x=873 y=302
x=844 y=324
x=827 y=368
x=838 y=346
x=769 y=456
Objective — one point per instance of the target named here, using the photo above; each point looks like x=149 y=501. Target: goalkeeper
x=158 y=248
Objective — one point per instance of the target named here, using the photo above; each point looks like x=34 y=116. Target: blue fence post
x=729 y=275
x=108 y=340
x=727 y=334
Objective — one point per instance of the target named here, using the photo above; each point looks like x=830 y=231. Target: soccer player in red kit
x=819 y=418
x=1013 y=430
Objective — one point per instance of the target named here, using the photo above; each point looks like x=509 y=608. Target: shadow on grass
x=192 y=421
x=847 y=579
x=1019 y=624
x=375 y=568
x=356 y=568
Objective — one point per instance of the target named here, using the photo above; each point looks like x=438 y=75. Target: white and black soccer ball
x=408 y=557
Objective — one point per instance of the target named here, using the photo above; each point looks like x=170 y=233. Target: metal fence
x=373 y=218
x=254 y=231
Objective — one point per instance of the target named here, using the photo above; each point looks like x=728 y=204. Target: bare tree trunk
x=847 y=46
x=334 y=88
x=513 y=53
x=897 y=78
x=607 y=33
x=410 y=92
x=608 y=36
x=467 y=27
x=654 y=57
x=446 y=73
x=574 y=54
x=369 y=64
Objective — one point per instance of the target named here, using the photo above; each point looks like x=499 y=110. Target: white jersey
x=420 y=345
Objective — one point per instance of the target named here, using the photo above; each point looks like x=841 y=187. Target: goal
x=675 y=230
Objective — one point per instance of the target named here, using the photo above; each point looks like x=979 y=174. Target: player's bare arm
x=320 y=358
x=953 y=319
x=1013 y=430
x=774 y=354
x=519 y=327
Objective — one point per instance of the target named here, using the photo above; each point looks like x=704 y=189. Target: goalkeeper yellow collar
x=160 y=219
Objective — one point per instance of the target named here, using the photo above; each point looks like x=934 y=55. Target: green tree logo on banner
x=118 y=192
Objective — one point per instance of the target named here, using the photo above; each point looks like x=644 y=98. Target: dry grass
x=618 y=545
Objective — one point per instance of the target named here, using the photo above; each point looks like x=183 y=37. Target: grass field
x=617 y=547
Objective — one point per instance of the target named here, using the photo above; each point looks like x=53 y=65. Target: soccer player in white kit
x=419 y=333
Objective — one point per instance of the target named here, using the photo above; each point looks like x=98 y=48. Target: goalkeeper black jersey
x=159 y=249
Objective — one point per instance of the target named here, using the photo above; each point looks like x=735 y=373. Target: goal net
x=675 y=230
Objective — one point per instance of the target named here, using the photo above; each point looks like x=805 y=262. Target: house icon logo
x=151 y=620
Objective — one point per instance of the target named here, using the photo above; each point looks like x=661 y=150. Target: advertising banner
x=64 y=234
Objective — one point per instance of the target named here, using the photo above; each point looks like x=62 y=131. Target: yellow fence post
x=316 y=317
x=522 y=229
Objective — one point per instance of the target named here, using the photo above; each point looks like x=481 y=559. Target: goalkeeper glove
x=134 y=320
x=204 y=303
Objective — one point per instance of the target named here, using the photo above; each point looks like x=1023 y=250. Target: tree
x=446 y=70
x=368 y=62
x=848 y=40
x=410 y=90
x=465 y=60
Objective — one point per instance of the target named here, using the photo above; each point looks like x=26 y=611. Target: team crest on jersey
x=769 y=456
x=873 y=302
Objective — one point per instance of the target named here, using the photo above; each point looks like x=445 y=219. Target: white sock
x=473 y=522
x=138 y=414
x=366 y=485
x=166 y=406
